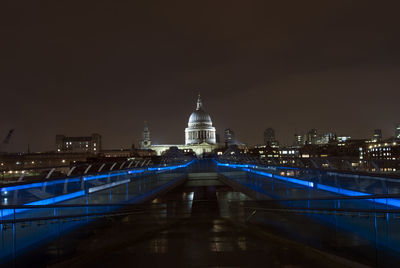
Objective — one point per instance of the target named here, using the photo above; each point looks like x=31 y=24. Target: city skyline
x=106 y=69
x=159 y=137
x=137 y=143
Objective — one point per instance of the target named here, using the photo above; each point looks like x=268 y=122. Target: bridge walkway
x=197 y=226
x=223 y=217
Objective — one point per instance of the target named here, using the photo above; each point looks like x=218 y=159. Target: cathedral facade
x=200 y=135
x=200 y=129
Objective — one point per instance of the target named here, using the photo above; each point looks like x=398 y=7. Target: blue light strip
x=388 y=201
x=136 y=171
x=235 y=165
x=253 y=166
x=57 y=199
x=339 y=190
x=385 y=201
x=258 y=172
x=170 y=167
x=37 y=184
x=48 y=201
x=288 y=179
x=297 y=181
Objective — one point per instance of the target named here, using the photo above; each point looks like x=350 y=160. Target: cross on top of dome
x=199 y=103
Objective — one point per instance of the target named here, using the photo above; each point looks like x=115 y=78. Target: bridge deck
x=194 y=229
x=233 y=215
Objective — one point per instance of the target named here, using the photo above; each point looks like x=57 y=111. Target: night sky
x=78 y=67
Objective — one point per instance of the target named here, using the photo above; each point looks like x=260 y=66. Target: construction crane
x=7 y=139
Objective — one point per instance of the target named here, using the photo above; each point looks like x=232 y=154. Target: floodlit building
x=200 y=135
x=200 y=129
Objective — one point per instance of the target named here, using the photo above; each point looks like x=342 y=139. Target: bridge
x=202 y=212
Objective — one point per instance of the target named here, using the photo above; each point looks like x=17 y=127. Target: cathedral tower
x=145 y=142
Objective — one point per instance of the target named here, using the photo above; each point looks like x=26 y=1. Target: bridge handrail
x=348 y=172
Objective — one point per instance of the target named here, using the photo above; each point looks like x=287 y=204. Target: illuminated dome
x=199 y=117
x=200 y=127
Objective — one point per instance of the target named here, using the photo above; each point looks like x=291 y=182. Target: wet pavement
x=195 y=226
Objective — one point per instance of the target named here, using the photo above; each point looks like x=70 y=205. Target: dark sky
x=78 y=67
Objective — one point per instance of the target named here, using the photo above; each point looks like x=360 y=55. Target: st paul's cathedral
x=200 y=135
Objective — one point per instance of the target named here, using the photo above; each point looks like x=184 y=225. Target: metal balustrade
x=365 y=205
x=75 y=169
x=298 y=202
x=82 y=198
x=341 y=164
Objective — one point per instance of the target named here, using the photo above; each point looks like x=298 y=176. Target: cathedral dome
x=199 y=117
x=200 y=129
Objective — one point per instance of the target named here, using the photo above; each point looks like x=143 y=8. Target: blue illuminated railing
x=80 y=185
x=75 y=197
x=311 y=184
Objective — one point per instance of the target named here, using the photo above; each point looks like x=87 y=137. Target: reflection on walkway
x=211 y=232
